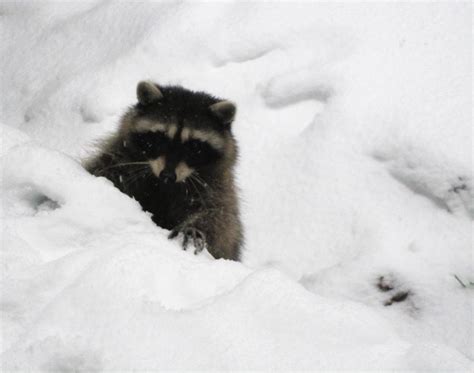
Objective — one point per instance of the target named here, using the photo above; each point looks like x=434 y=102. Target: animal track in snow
x=387 y=284
x=444 y=183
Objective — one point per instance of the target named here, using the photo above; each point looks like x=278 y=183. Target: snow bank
x=355 y=128
x=103 y=272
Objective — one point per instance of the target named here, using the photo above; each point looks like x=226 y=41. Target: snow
x=355 y=129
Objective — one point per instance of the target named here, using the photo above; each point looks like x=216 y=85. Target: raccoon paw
x=197 y=237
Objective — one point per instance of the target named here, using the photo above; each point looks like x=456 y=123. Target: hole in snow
x=46 y=204
x=39 y=202
x=388 y=284
x=384 y=284
x=398 y=297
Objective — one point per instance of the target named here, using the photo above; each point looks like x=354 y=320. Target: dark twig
x=459 y=280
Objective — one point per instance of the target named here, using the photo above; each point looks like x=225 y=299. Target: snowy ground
x=355 y=129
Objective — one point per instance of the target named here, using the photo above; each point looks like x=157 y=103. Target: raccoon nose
x=168 y=176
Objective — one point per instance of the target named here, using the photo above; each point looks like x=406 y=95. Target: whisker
x=101 y=170
x=198 y=193
x=129 y=176
x=132 y=178
x=138 y=174
x=199 y=181
x=127 y=164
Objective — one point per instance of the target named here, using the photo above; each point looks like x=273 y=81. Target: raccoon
x=174 y=152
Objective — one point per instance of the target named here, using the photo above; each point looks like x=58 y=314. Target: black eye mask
x=150 y=144
x=199 y=153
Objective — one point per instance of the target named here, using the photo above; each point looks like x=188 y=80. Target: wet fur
x=207 y=199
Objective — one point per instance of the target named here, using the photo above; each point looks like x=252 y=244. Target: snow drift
x=355 y=130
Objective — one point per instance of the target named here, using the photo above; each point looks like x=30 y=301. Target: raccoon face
x=173 y=159
x=179 y=132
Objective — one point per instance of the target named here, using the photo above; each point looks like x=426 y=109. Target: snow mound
x=116 y=271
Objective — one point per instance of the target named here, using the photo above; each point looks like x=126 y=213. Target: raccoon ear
x=148 y=92
x=224 y=110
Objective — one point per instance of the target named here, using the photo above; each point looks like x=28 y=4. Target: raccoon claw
x=173 y=234
x=197 y=237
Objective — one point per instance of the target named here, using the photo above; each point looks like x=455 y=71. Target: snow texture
x=355 y=131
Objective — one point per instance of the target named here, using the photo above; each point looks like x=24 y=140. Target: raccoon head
x=179 y=132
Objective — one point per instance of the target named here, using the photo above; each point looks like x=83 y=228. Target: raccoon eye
x=196 y=147
x=199 y=153
x=150 y=144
